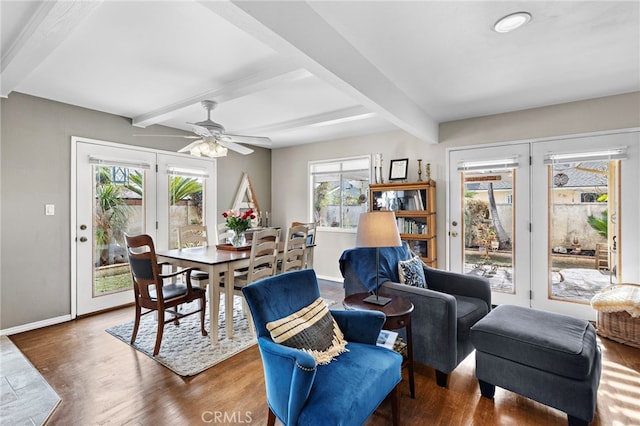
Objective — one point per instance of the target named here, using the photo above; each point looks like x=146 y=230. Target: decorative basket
x=619 y=326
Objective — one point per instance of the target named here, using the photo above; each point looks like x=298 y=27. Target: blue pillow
x=412 y=273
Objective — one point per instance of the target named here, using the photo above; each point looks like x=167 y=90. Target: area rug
x=184 y=350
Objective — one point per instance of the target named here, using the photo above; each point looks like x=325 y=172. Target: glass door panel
x=119 y=204
x=583 y=229
x=488 y=231
x=186 y=196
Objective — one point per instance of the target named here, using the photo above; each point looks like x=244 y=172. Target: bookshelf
x=414 y=204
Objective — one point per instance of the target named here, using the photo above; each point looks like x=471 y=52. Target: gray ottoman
x=550 y=358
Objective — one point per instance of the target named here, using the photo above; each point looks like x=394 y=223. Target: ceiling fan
x=213 y=141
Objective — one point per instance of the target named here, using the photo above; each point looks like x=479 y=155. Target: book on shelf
x=419 y=200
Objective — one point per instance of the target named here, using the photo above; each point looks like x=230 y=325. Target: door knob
x=454 y=233
x=454 y=223
x=83 y=239
x=83 y=227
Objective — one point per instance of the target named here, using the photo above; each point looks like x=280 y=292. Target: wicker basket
x=619 y=326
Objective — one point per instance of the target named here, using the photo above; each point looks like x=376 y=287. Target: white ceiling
x=289 y=70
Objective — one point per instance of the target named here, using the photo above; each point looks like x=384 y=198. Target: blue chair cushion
x=338 y=396
x=559 y=344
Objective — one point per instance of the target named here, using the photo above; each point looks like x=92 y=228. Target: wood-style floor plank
x=103 y=381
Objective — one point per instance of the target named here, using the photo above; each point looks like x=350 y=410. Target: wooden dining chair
x=311 y=241
x=153 y=294
x=194 y=236
x=262 y=263
x=224 y=233
x=264 y=256
x=295 y=248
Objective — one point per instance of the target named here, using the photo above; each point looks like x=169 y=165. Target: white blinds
x=489 y=165
x=118 y=162
x=578 y=157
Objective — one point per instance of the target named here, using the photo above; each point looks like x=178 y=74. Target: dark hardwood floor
x=103 y=381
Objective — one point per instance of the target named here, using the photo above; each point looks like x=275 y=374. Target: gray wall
x=290 y=199
x=35 y=160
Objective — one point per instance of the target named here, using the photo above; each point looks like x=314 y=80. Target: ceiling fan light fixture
x=209 y=149
x=511 y=22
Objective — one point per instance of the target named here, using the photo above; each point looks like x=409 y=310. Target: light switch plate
x=49 y=209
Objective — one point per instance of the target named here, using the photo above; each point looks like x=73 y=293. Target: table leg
x=410 y=356
x=228 y=299
x=214 y=304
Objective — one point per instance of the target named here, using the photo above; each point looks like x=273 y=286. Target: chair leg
x=156 y=349
x=271 y=420
x=203 y=311
x=395 y=406
x=442 y=379
x=136 y=324
x=247 y=313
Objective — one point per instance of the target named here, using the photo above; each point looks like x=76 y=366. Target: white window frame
x=341 y=171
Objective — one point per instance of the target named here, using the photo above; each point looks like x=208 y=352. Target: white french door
x=574 y=204
x=488 y=218
x=586 y=234
x=120 y=189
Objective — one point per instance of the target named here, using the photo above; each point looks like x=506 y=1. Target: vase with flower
x=238 y=222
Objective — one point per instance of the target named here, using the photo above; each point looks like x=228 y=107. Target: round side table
x=398 y=313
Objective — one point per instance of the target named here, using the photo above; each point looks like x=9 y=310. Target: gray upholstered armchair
x=443 y=313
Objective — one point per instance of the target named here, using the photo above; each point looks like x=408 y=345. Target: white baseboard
x=34 y=325
x=328 y=278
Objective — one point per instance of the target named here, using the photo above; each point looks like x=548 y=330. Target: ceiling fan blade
x=235 y=147
x=253 y=140
x=190 y=146
x=172 y=136
x=201 y=131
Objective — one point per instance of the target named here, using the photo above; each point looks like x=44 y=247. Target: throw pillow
x=412 y=273
x=311 y=329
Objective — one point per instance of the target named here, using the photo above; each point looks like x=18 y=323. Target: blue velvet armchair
x=344 y=392
x=443 y=313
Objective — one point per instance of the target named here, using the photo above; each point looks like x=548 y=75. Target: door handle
x=83 y=239
x=453 y=233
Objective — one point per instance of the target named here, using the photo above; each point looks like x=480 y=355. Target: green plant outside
x=601 y=225
x=180 y=187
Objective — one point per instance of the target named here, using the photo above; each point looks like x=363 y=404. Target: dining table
x=217 y=262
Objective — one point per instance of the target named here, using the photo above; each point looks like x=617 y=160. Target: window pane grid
x=339 y=191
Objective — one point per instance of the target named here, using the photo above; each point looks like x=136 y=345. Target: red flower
x=225 y=214
x=253 y=216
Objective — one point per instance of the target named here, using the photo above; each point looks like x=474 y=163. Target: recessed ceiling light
x=511 y=22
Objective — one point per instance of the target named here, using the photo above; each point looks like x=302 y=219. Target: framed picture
x=398 y=169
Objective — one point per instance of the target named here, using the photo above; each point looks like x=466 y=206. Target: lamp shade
x=378 y=229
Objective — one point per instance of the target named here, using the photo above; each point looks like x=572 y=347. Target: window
x=339 y=191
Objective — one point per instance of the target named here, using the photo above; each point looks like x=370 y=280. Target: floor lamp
x=378 y=229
